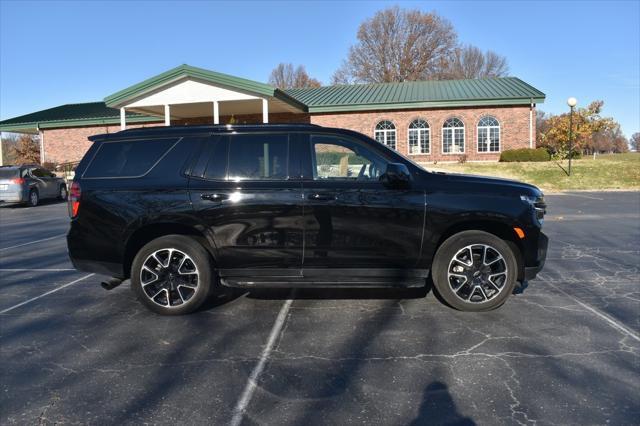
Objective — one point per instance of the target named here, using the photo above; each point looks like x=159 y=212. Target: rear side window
x=40 y=173
x=127 y=158
x=258 y=156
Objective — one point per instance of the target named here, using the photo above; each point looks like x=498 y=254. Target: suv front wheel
x=474 y=271
x=172 y=275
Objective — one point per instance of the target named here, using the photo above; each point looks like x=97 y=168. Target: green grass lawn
x=611 y=171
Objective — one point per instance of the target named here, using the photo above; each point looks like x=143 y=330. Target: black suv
x=184 y=210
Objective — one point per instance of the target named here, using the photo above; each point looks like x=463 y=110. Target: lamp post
x=572 y=102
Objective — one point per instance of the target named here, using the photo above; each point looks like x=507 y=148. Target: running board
x=324 y=278
x=302 y=283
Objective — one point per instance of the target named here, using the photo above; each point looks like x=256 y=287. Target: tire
x=62 y=193
x=170 y=278
x=474 y=271
x=34 y=198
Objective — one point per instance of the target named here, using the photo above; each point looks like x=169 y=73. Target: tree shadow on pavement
x=438 y=408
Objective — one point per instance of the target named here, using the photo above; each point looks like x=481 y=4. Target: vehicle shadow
x=337 y=293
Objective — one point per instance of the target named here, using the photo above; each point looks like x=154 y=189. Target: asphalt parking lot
x=564 y=352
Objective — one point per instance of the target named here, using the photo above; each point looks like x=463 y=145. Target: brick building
x=426 y=120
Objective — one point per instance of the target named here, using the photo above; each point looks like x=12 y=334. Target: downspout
x=531 y=106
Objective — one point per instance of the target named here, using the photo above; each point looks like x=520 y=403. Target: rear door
x=44 y=182
x=244 y=190
x=352 y=219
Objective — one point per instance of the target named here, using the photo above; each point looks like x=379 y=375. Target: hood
x=487 y=183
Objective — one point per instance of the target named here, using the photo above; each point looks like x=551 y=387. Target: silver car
x=29 y=184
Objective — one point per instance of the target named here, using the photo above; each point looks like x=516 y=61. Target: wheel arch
x=499 y=229
x=143 y=235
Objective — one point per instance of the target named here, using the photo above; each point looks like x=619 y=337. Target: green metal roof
x=418 y=94
x=342 y=98
x=219 y=79
x=71 y=115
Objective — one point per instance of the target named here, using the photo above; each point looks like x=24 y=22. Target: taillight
x=74 y=199
x=17 y=181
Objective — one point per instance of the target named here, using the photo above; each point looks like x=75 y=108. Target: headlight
x=538 y=204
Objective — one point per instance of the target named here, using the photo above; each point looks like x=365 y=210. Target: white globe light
x=572 y=101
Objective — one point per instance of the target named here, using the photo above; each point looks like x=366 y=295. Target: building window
x=419 y=137
x=488 y=135
x=453 y=136
x=385 y=133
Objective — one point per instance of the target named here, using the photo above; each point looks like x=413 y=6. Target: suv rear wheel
x=474 y=271
x=34 y=198
x=172 y=275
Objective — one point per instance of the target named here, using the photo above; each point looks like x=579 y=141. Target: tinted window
x=217 y=159
x=259 y=156
x=9 y=173
x=40 y=173
x=127 y=158
x=340 y=158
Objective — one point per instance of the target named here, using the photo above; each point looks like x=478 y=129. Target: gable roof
x=187 y=71
x=418 y=94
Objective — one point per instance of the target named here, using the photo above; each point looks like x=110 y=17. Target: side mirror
x=396 y=176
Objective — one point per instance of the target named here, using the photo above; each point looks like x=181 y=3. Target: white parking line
x=613 y=323
x=32 y=242
x=45 y=294
x=247 y=394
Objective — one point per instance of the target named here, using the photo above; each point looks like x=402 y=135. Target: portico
x=192 y=95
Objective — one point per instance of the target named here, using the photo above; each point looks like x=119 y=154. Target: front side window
x=385 y=133
x=335 y=157
x=419 y=137
x=488 y=135
x=453 y=136
x=258 y=157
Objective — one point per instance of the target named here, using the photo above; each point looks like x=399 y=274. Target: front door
x=351 y=219
x=242 y=192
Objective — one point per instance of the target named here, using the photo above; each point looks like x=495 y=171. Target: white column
x=265 y=111
x=167 y=115
x=1 y=163
x=531 y=126
x=42 y=153
x=216 y=113
x=123 y=120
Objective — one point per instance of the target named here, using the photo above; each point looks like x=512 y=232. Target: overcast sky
x=53 y=53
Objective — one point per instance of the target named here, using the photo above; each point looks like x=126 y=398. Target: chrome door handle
x=322 y=197
x=214 y=197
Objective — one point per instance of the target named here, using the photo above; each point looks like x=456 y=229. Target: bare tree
x=26 y=150
x=471 y=62
x=285 y=76
x=634 y=142
x=398 y=45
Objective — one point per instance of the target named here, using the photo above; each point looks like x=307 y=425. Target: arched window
x=385 y=133
x=419 y=137
x=488 y=135
x=453 y=136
